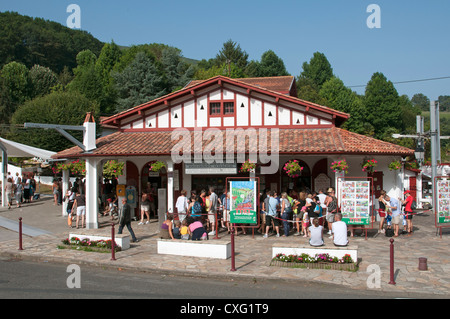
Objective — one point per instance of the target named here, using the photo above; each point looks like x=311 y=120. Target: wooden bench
x=219 y=249
x=121 y=240
x=298 y=249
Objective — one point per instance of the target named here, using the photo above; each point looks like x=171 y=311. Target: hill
x=37 y=41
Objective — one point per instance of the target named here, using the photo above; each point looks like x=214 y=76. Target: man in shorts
x=212 y=210
x=271 y=215
x=408 y=210
x=395 y=207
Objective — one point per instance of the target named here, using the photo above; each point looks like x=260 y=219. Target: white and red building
x=258 y=114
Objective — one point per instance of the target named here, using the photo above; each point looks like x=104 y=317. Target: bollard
x=20 y=233
x=113 y=244
x=392 y=282
x=423 y=263
x=233 y=266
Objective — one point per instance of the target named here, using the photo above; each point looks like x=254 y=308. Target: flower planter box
x=320 y=265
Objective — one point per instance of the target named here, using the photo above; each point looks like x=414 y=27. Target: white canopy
x=14 y=149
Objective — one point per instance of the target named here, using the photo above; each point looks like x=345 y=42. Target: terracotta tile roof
x=280 y=84
x=332 y=140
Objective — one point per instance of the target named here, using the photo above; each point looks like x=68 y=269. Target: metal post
x=392 y=282
x=233 y=266
x=20 y=233
x=217 y=226
x=113 y=243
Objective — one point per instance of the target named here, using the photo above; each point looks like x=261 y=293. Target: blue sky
x=411 y=44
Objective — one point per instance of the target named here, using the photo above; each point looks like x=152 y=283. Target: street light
x=419 y=152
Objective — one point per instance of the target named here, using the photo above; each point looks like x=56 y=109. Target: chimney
x=89 y=135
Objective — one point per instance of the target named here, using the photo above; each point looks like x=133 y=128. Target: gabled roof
x=340 y=117
x=324 y=141
x=280 y=84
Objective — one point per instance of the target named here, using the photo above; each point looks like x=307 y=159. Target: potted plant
x=293 y=168
x=395 y=165
x=247 y=167
x=339 y=166
x=369 y=165
x=112 y=169
x=157 y=166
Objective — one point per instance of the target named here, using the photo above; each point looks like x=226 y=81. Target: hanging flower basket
x=75 y=167
x=113 y=169
x=293 y=168
x=395 y=165
x=157 y=166
x=369 y=165
x=339 y=166
x=247 y=167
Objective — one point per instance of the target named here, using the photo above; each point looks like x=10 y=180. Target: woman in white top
x=316 y=232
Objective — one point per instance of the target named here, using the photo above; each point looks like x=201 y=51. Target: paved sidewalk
x=253 y=255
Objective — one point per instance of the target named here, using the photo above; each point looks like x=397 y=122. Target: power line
x=410 y=81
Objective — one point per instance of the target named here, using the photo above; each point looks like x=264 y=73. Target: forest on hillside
x=52 y=74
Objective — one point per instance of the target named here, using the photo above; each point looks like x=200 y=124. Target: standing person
x=408 y=210
x=18 y=191
x=125 y=219
x=212 y=210
x=55 y=191
x=80 y=204
x=395 y=208
x=382 y=210
x=339 y=231
x=271 y=215
x=285 y=213
x=145 y=208
x=332 y=208
x=26 y=189
x=226 y=211
x=182 y=205
x=9 y=191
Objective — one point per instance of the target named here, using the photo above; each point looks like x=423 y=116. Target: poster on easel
x=243 y=204
x=443 y=201
x=354 y=199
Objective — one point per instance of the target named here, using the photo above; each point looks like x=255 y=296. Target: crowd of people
x=308 y=214
x=21 y=189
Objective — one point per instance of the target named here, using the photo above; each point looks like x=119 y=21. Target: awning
x=14 y=149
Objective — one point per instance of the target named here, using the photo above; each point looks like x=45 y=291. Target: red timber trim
x=221 y=80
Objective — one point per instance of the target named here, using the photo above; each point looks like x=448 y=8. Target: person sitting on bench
x=339 y=231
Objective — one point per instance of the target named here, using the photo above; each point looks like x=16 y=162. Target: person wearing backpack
x=408 y=202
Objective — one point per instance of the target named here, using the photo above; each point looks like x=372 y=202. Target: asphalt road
x=28 y=280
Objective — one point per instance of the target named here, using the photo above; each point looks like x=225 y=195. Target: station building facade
x=205 y=131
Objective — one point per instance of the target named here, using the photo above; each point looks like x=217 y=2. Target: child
x=305 y=222
x=197 y=230
x=184 y=230
x=176 y=230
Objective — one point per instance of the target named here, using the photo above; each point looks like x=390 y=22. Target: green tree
x=141 y=81
x=382 y=105
x=341 y=98
x=176 y=71
x=318 y=70
x=15 y=88
x=421 y=101
x=42 y=80
x=87 y=80
x=231 y=52
x=270 y=65
x=54 y=108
